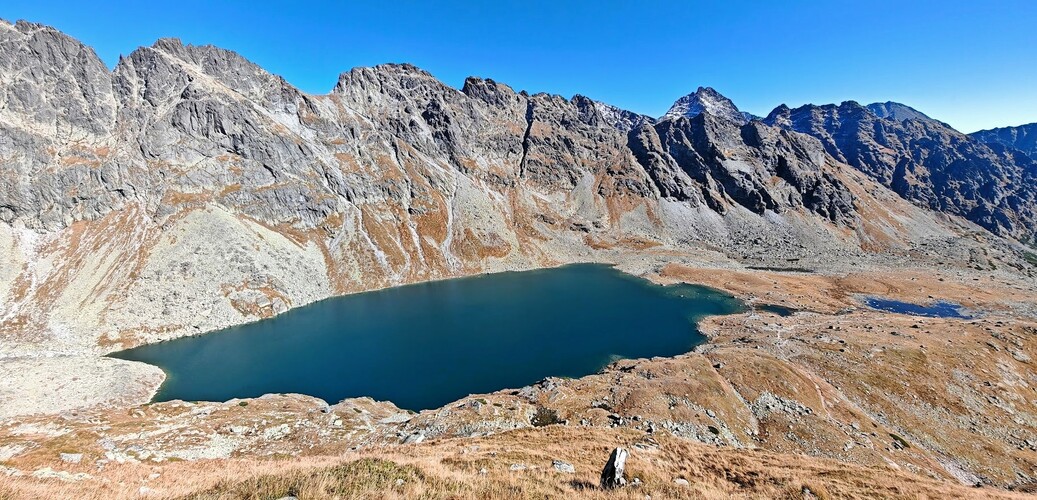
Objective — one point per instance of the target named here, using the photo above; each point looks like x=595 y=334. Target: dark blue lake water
x=938 y=309
x=425 y=345
x=780 y=310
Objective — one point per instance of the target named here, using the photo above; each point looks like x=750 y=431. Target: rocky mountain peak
x=779 y=116
x=225 y=67
x=406 y=74
x=169 y=44
x=489 y=91
x=802 y=117
x=896 y=111
x=53 y=83
x=706 y=100
x=29 y=28
x=924 y=160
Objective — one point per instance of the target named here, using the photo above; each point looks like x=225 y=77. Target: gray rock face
x=925 y=161
x=712 y=160
x=58 y=105
x=612 y=474
x=1023 y=138
x=57 y=85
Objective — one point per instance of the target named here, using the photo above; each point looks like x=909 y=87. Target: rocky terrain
x=189 y=190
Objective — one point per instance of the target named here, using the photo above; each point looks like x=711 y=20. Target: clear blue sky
x=971 y=63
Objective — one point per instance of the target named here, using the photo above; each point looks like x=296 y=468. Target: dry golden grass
x=482 y=468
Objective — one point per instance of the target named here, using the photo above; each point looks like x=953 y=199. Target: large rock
x=564 y=467
x=612 y=474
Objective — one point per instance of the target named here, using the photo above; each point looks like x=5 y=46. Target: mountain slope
x=1023 y=138
x=926 y=161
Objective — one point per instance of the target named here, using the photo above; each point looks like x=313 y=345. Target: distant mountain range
x=189 y=171
x=925 y=161
x=1022 y=138
x=987 y=177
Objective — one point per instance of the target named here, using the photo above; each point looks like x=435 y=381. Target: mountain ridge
x=704 y=98
x=1021 y=137
x=392 y=177
x=925 y=161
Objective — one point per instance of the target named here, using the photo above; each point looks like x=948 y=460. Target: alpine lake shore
x=851 y=393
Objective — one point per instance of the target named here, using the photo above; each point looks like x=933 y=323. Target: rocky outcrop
x=925 y=161
x=1022 y=138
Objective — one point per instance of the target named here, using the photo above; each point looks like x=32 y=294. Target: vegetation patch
x=545 y=416
x=901 y=441
x=364 y=477
x=6 y=494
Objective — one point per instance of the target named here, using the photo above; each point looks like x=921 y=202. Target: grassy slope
x=482 y=468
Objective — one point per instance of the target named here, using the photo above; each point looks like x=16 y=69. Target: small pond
x=780 y=310
x=938 y=309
